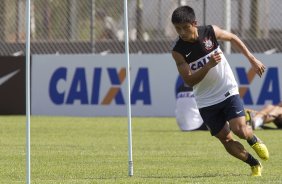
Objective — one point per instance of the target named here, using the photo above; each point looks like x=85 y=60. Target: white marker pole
x=27 y=91
x=227 y=16
x=130 y=160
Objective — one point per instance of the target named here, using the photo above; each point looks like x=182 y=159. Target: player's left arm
x=224 y=35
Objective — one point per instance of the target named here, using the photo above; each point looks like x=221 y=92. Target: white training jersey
x=186 y=112
x=219 y=83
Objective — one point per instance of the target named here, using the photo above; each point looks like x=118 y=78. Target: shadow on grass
x=204 y=175
x=265 y=127
x=183 y=131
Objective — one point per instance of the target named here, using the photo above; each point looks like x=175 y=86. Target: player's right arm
x=185 y=70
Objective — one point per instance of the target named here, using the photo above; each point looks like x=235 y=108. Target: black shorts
x=217 y=115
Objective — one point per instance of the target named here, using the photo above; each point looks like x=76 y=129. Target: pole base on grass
x=130 y=168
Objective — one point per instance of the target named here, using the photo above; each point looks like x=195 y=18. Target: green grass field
x=68 y=150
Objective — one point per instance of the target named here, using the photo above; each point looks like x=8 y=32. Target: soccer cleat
x=249 y=114
x=261 y=150
x=256 y=170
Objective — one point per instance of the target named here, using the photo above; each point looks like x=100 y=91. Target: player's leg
x=237 y=150
x=233 y=147
x=267 y=115
x=274 y=112
x=240 y=128
x=235 y=114
x=215 y=120
x=274 y=115
x=264 y=116
x=243 y=131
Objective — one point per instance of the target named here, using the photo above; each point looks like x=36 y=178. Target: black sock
x=252 y=141
x=251 y=160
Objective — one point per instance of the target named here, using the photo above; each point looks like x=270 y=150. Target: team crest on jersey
x=208 y=43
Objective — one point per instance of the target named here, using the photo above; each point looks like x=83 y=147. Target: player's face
x=187 y=31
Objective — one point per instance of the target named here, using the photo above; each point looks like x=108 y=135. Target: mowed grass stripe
x=68 y=150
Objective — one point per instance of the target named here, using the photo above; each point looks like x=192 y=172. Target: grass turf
x=72 y=150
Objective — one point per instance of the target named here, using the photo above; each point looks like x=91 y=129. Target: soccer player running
x=202 y=65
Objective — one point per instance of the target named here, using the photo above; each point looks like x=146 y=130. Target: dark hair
x=183 y=14
x=278 y=121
